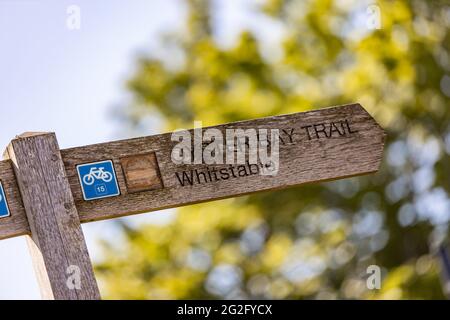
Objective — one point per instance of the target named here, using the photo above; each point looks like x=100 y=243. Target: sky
x=67 y=81
x=58 y=79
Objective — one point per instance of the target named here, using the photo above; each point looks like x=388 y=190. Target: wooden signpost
x=49 y=191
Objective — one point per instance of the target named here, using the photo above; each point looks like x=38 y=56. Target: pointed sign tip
x=360 y=106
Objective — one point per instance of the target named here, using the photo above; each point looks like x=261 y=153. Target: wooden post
x=49 y=192
x=57 y=245
x=315 y=146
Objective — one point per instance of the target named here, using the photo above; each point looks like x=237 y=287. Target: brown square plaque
x=141 y=172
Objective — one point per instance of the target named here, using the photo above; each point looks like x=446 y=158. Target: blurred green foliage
x=314 y=241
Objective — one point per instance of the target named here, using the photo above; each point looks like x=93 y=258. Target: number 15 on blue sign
x=98 y=180
x=4 y=210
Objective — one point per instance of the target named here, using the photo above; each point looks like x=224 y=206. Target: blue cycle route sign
x=4 y=210
x=98 y=180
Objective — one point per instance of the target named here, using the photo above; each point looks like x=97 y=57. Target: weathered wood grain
x=304 y=160
x=141 y=172
x=57 y=241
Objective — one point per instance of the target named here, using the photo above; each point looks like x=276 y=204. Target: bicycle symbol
x=97 y=174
